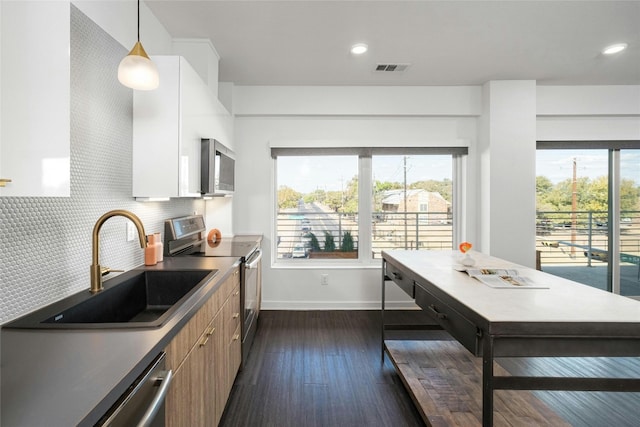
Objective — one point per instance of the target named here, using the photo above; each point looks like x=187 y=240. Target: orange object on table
x=465 y=246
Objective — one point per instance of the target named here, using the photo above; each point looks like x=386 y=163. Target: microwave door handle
x=255 y=259
x=158 y=399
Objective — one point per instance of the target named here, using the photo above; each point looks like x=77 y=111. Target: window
x=354 y=203
x=317 y=207
x=412 y=199
x=588 y=213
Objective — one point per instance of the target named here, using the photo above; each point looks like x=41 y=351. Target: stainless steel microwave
x=217 y=169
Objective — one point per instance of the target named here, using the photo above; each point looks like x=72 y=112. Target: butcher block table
x=563 y=318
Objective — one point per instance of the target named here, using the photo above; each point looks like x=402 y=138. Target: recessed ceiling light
x=614 y=48
x=359 y=48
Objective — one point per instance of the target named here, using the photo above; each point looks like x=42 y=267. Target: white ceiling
x=298 y=42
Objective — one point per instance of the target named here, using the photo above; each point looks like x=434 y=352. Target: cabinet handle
x=236 y=293
x=204 y=342
x=3 y=181
x=236 y=315
x=396 y=275
x=236 y=337
x=207 y=334
x=435 y=311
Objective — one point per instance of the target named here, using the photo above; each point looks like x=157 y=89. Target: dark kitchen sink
x=138 y=298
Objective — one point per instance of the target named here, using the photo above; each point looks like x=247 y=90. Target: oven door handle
x=255 y=259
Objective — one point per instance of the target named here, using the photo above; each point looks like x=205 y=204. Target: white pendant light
x=136 y=70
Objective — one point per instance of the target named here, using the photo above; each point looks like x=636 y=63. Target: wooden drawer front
x=453 y=322
x=235 y=356
x=236 y=277
x=231 y=313
x=399 y=278
x=227 y=286
x=182 y=343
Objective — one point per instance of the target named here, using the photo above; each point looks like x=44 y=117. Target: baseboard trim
x=336 y=305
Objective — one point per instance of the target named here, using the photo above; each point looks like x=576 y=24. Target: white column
x=506 y=156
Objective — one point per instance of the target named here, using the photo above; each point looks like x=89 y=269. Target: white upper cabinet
x=34 y=90
x=168 y=125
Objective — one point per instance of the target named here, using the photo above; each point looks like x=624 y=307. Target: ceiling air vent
x=396 y=68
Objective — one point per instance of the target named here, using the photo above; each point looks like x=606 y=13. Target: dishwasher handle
x=164 y=378
x=252 y=263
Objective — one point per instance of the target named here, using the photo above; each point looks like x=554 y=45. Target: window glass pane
x=317 y=207
x=412 y=202
x=572 y=214
x=630 y=222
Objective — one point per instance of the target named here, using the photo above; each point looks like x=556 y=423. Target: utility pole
x=574 y=207
x=406 y=226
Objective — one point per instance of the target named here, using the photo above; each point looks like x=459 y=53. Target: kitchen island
x=65 y=377
x=558 y=318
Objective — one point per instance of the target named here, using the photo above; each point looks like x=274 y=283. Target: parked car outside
x=299 y=251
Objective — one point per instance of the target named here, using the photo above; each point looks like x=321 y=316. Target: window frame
x=613 y=148
x=365 y=190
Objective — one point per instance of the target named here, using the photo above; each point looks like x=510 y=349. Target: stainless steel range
x=185 y=236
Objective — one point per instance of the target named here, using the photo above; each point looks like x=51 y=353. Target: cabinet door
x=187 y=399
x=235 y=358
x=35 y=95
x=156 y=131
x=168 y=126
x=219 y=364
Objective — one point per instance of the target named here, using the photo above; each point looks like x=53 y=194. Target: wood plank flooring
x=322 y=368
x=319 y=368
x=582 y=408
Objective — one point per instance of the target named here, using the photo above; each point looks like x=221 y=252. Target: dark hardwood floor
x=318 y=368
x=322 y=368
x=582 y=408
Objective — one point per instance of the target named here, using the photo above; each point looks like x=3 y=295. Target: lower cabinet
x=205 y=368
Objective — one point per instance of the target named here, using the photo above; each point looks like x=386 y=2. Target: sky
x=557 y=165
x=332 y=173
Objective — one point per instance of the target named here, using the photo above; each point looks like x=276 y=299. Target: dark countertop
x=72 y=377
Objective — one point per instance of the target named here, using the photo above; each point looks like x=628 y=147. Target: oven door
x=251 y=291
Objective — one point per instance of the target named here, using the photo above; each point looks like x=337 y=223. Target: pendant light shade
x=136 y=70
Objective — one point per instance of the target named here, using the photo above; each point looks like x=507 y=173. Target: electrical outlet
x=131 y=232
x=324 y=279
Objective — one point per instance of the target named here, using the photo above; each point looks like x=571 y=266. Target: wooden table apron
x=426 y=279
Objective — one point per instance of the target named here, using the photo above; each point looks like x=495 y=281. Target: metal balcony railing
x=411 y=230
x=582 y=237
x=390 y=230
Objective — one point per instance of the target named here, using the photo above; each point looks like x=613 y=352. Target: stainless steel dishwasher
x=142 y=405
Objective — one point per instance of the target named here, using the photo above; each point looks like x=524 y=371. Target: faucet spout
x=96 y=274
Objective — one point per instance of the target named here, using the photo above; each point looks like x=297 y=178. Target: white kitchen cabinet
x=35 y=93
x=168 y=125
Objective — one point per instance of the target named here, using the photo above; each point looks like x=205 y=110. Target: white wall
x=394 y=115
x=501 y=122
x=119 y=19
x=507 y=173
x=588 y=113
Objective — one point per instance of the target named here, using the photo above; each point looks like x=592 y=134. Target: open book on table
x=503 y=278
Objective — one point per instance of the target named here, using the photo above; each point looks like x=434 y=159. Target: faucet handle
x=106 y=270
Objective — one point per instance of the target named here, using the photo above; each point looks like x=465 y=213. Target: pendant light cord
x=138 y=20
